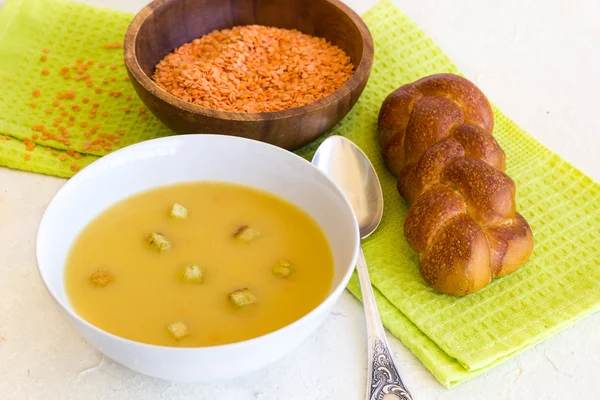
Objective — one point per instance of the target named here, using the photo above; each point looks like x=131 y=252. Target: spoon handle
x=383 y=379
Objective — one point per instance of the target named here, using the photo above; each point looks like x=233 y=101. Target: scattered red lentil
x=98 y=90
x=142 y=110
x=45 y=72
x=36 y=92
x=27 y=157
x=32 y=105
x=113 y=79
x=144 y=116
x=64 y=113
x=127 y=109
x=71 y=118
x=254 y=69
x=46 y=50
x=62 y=157
x=128 y=98
x=43 y=58
x=113 y=45
x=105 y=114
x=67 y=142
x=61 y=108
x=90 y=62
x=83 y=124
x=70 y=123
x=70 y=151
x=85 y=100
x=101 y=65
x=48 y=111
x=74 y=167
x=113 y=67
x=35 y=136
x=56 y=103
x=126 y=79
x=76 y=156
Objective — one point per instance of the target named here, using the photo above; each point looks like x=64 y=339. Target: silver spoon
x=341 y=160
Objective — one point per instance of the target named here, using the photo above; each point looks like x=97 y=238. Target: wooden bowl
x=164 y=25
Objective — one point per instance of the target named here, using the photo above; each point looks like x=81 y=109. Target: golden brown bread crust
x=436 y=137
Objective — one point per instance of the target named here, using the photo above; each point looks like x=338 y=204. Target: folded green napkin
x=459 y=338
x=70 y=32
x=455 y=338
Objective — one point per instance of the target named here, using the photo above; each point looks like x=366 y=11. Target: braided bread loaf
x=436 y=137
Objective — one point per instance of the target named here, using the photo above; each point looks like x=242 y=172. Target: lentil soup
x=198 y=264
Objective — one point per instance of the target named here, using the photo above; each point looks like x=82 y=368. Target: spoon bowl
x=350 y=168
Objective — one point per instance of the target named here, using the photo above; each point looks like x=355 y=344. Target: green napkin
x=70 y=32
x=459 y=338
x=455 y=338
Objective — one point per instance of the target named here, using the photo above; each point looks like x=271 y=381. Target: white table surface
x=539 y=61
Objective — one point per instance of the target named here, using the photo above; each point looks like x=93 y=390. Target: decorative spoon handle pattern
x=384 y=382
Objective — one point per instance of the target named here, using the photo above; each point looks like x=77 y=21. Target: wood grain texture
x=163 y=25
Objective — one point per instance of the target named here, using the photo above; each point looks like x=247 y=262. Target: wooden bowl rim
x=360 y=73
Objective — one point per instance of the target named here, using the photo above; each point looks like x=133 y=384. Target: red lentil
x=254 y=69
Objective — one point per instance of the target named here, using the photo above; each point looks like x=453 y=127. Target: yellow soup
x=198 y=264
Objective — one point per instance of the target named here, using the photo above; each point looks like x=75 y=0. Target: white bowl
x=195 y=158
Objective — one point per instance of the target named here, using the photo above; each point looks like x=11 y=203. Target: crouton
x=242 y=297
x=158 y=241
x=246 y=234
x=178 y=211
x=179 y=330
x=101 y=278
x=282 y=269
x=193 y=273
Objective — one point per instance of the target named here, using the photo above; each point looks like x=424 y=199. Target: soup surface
x=181 y=292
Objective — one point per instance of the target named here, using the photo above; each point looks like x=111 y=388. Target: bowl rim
x=360 y=74
x=99 y=164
